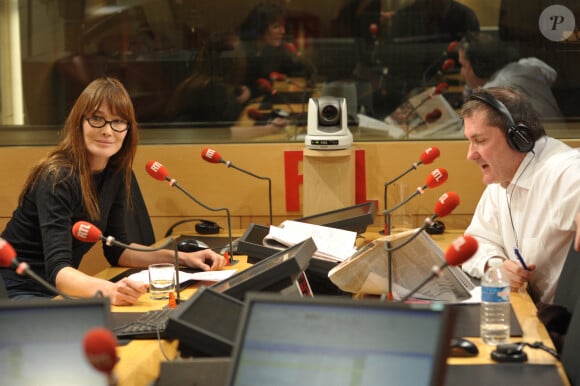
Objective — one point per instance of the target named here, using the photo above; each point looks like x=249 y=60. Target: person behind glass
x=527 y=211
x=433 y=20
x=262 y=43
x=213 y=92
x=87 y=177
x=488 y=62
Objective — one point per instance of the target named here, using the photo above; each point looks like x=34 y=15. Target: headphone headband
x=519 y=136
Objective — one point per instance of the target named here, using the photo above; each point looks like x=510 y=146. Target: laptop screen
x=41 y=341
x=339 y=341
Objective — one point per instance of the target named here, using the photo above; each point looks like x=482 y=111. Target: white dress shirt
x=543 y=198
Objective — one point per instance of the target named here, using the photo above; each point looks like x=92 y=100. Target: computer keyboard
x=147 y=325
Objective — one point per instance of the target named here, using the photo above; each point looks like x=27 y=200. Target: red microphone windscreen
x=255 y=114
x=157 y=170
x=429 y=155
x=440 y=88
x=86 y=232
x=290 y=47
x=100 y=346
x=433 y=115
x=277 y=76
x=436 y=178
x=7 y=253
x=211 y=155
x=448 y=64
x=461 y=250
x=446 y=204
x=452 y=46
x=264 y=84
x=373 y=28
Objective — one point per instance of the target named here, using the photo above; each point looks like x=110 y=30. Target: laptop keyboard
x=149 y=325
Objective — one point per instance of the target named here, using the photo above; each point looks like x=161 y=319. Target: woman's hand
x=206 y=259
x=126 y=292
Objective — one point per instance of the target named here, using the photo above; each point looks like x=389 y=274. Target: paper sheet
x=143 y=276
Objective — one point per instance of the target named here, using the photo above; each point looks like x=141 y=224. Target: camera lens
x=329 y=112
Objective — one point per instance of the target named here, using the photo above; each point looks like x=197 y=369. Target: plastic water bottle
x=495 y=304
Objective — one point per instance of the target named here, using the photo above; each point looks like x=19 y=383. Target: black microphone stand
x=386 y=212
x=229 y=164
x=230 y=247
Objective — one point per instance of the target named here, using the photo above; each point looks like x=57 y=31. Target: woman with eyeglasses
x=87 y=177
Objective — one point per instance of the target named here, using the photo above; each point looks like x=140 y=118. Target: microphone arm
x=23 y=269
x=417 y=192
x=386 y=212
x=435 y=272
x=229 y=164
x=230 y=247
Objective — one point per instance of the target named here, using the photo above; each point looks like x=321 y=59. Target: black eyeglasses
x=118 y=125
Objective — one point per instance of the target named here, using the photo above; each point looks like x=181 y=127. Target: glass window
x=234 y=71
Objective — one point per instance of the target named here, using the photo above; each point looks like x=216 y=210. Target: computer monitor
x=324 y=341
x=41 y=341
x=272 y=274
x=206 y=324
x=353 y=218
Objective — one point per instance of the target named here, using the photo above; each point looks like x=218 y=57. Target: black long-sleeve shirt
x=40 y=229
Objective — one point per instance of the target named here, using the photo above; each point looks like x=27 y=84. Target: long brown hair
x=70 y=158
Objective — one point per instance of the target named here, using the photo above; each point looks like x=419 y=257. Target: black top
x=40 y=229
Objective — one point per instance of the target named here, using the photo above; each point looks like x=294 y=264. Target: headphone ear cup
x=520 y=138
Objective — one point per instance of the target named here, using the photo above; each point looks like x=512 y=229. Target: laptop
x=339 y=341
x=41 y=341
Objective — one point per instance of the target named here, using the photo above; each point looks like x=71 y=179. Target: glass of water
x=161 y=280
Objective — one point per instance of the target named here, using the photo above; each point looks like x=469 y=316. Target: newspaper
x=410 y=119
x=367 y=271
x=331 y=243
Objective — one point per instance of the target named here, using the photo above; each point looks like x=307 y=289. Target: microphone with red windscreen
x=158 y=171
x=212 y=156
x=460 y=250
x=430 y=117
x=427 y=157
x=436 y=178
x=8 y=259
x=448 y=62
x=439 y=89
x=100 y=348
x=265 y=86
x=86 y=232
x=276 y=76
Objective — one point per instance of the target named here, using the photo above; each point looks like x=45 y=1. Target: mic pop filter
x=157 y=170
x=211 y=155
x=429 y=155
x=7 y=253
x=446 y=204
x=461 y=250
x=100 y=347
x=86 y=232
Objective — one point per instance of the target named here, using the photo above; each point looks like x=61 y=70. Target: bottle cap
x=495 y=262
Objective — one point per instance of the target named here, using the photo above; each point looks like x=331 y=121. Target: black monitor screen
x=354 y=218
x=274 y=273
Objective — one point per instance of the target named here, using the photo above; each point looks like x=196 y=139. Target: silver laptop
x=337 y=341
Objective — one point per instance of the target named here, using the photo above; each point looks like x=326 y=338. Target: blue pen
x=520 y=258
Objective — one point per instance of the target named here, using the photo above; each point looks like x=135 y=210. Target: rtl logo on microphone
x=210 y=153
x=155 y=166
x=83 y=231
x=438 y=175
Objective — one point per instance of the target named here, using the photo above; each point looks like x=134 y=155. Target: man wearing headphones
x=487 y=62
x=526 y=215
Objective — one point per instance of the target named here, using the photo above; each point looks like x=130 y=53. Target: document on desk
x=331 y=243
x=367 y=271
x=143 y=276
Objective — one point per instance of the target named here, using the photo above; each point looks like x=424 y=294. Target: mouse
x=191 y=245
x=461 y=347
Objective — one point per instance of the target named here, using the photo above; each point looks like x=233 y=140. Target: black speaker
x=518 y=135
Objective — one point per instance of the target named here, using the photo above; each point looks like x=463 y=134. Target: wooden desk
x=140 y=360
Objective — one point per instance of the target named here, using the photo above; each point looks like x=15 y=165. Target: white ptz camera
x=328 y=124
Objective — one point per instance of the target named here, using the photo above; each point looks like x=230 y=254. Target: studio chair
x=556 y=316
x=571 y=351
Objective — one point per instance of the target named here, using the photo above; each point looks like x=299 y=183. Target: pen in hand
x=520 y=258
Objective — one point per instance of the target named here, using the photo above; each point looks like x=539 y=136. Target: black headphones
x=518 y=135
